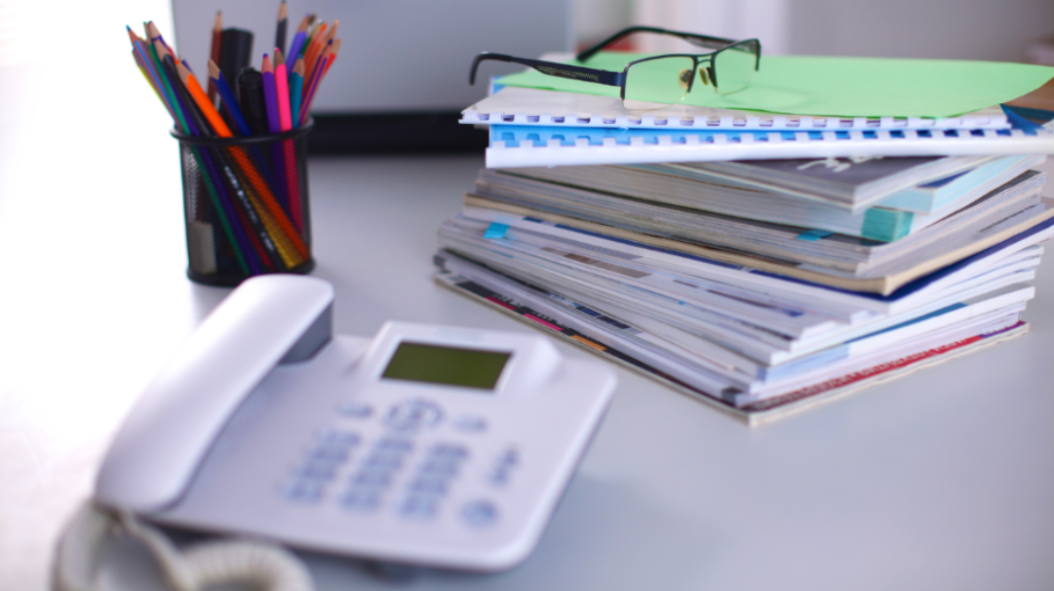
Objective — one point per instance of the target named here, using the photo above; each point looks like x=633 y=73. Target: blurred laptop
x=401 y=80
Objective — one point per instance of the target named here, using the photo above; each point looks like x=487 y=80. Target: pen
x=250 y=83
x=235 y=53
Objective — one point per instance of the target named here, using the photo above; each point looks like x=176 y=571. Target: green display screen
x=471 y=368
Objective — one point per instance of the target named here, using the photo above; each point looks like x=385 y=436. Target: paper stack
x=763 y=286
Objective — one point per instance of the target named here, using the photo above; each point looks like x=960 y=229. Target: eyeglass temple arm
x=552 y=69
x=692 y=38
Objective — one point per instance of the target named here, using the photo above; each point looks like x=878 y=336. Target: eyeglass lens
x=657 y=83
x=664 y=81
x=734 y=67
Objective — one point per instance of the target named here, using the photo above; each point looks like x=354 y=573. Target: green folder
x=841 y=86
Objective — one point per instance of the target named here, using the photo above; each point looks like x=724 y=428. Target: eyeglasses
x=658 y=81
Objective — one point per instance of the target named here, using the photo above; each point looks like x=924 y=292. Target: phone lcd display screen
x=470 y=368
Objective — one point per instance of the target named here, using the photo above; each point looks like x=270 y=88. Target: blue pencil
x=296 y=91
x=216 y=76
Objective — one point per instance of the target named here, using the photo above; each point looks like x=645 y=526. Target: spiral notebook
x=531 y=106
x=535 y=145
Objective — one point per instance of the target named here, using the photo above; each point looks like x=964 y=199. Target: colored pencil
x=315 y=78
x=241 y=122
x=296 y=46
x=215 y=50
x=299 y=37
x=305 y=22
x=153 y=33
x=292 y=177
x=283 y=23
x=332 y=57
x=274 y=125
x=243 y=248
x=142 y=56
x=281 y=86
x=167 y=86
x=296 y=91
x=314 y=47
x=227 y=96
x=256 y=200
x=241 y=158
x=207 y=109
x=270 y=96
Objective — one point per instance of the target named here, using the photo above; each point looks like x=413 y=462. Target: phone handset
x=268 y=320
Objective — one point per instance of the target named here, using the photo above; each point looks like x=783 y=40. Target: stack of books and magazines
x=760 y=285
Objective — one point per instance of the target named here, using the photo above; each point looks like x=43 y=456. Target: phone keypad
x=367 y=485
x=390 y=473
x=330 y=451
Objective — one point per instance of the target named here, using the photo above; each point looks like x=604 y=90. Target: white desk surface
x=941 y=480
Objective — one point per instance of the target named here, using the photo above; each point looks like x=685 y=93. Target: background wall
x=962 y=29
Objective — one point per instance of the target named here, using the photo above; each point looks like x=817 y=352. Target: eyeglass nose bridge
x=706 y=73
x=706 y=76
x=684 y=79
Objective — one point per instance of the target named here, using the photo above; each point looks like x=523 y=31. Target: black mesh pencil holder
x=246 y=205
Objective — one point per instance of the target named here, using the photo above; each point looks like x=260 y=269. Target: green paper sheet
x=842 y=86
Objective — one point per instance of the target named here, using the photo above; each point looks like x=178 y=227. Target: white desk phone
x=426 y=445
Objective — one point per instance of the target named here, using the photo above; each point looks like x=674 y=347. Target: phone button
x=411 y=415
x=304 y=491
x=470 y=424
x=356 y=410
x=419 y=506
x=361 y=499
x=479 y=513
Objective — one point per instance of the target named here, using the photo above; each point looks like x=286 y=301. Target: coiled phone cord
x=265 y=567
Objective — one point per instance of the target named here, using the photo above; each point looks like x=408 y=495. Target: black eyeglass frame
x=609 y=78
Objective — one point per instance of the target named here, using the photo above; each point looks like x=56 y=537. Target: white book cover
x=514 y=146
x=531 y=106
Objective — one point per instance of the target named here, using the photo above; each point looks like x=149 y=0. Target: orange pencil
x=327 y=42
x=333 y=57
x=312 y=86
x=326 y=37
x=332 y=32
x=314 y=48
x=203 y=102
